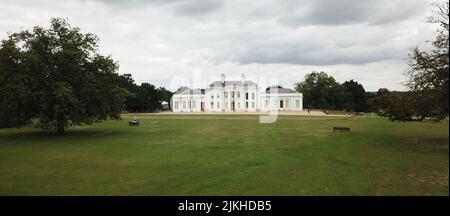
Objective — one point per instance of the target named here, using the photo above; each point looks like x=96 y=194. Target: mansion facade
x=236 y=96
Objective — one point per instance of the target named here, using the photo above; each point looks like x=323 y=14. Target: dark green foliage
x=149 y=99
x=402 y=106
x=57 y=77
x=369 y=96
x=16 y=96
x=145 y=97
x=394 y=105
x=321 y=91
x=166 y=95
x=126 y=81
x=355 y=96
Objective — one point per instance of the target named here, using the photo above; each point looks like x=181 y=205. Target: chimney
x=223 y=79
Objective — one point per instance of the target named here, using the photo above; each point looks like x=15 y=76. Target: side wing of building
x=188 y=100
x=282 y=99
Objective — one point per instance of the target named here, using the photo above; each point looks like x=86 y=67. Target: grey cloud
x=295 y=54
x=322 y=45
x=183 y=7
x=133 y=2
x=347 y=12
x=293 y=13
x=198 y=7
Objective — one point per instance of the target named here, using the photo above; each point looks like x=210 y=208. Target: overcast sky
x=168 y=42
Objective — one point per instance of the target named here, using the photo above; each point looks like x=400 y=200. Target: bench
x=341 y=129
x=134 y=123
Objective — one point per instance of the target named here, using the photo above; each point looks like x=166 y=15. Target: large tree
x=320 y=91
x=355 y=96
x=56 y=77
x=149 y=99
x=429 y=70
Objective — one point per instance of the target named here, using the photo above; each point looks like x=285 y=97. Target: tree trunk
x=60 y=128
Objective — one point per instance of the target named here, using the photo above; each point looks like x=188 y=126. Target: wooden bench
x=341 y=129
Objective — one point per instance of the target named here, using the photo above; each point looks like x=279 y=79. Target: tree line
x=145 y=97
x=321 y=91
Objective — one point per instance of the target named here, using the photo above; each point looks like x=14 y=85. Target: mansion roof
x=230 y=83
x=269 y=90
x=279 y=89
x=188 y=91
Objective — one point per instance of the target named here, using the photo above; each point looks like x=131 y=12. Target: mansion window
x=287 y=103
x=225 y=94
x=212 y=105
x=246 y=104
x=238 y=94
x=281 y=103
x=253 y=96
x=176 y=105
x=266 y=103
x=218 y=105
x=253 y=104
x=184 y=104
x=297 y=103
x=246 y=95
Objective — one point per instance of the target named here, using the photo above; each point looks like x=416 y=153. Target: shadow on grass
x=36 y=134
x=440 y=145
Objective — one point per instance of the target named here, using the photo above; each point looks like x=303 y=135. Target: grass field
x=228 y=155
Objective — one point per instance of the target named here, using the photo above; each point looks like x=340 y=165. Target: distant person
x=308 y=111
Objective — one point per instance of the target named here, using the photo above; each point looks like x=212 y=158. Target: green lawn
x=228 y=155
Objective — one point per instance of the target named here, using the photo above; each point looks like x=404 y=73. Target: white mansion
x=236 y=96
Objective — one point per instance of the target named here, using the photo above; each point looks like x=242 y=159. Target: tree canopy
x=145 y=97
x=56 y=77
x=321 y=91
x=355 y=96
x=395 y=105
